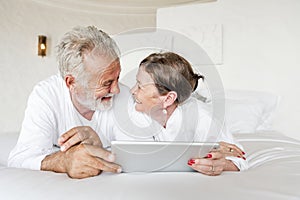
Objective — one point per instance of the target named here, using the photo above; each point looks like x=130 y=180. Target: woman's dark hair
x=171 y=72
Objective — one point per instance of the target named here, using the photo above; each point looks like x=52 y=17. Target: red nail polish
x=244 y=158
x=209 y=156
x=239 y=156
x=243 y=153
x=190 y=164
x=192 y=161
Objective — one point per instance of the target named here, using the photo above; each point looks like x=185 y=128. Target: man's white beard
x=91 y=103
x=104 y=105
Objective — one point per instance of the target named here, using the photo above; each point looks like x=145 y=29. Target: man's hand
x=81 y=155
x=77 y=135
x=81 y=161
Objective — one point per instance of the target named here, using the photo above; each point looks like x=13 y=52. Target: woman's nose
x=133 y=89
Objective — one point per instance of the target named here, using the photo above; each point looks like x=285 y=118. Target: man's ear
x=70 y=81
x=170 y=98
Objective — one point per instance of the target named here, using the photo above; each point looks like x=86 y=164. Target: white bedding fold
x=274 y=175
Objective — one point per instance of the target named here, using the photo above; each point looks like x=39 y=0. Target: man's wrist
x=54 y=162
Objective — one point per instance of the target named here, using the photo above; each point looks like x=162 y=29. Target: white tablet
x=135 y=156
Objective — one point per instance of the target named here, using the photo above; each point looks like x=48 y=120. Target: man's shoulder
x=49 y=89
x=52 y=83
x=194 y=105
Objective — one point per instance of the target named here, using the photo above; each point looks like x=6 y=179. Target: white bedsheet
x=274 y=174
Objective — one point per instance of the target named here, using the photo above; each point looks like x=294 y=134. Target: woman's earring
x=164 y=111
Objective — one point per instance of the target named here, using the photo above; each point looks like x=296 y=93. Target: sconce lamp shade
x=42 y=45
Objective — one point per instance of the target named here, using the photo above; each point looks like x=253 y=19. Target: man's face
x=95 y=89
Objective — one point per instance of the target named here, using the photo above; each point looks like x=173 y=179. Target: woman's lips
x=137 y=101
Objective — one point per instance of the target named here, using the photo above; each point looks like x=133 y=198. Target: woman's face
x=145 y=94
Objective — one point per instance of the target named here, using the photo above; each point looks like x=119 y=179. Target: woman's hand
x=228 y=149
x=79 y=135
x=213 y=164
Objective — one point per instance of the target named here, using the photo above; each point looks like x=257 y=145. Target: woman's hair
x=78 y=41
x=171 y=72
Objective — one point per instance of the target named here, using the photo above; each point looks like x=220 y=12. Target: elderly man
x=76 y=102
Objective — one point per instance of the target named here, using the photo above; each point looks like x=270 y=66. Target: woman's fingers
x=213 y=164
x=231 y=150
x=208 y=166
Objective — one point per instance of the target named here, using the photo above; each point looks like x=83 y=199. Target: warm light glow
x=43 y=46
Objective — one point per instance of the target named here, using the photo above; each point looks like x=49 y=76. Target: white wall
x=261 y=48
x=21 y=21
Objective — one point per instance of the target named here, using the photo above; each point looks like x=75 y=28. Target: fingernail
x=209 y=156
x=243 y=153
x=190 y=164
x=119 y=170
x=244 y=158
x=62 y=148
x=60 y=140
x=191 y=161
x=111 y=157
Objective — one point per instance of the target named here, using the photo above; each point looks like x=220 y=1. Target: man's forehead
x=112 y=69
x=97 y=61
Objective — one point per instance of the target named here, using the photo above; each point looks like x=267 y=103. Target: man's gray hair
x=79 y=40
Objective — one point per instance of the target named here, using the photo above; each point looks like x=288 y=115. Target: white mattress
x=274 y=174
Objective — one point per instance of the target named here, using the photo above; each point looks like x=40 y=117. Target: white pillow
x=249 y=111
x=7 y=143
x=246 y=111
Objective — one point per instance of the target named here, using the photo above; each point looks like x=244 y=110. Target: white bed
x=274 y=174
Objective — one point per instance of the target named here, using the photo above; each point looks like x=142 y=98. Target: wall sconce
x=42 y=45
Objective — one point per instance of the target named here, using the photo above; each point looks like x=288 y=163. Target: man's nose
x=115 y=89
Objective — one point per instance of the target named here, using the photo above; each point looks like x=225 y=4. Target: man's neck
x=88 y=114
x=83 y=111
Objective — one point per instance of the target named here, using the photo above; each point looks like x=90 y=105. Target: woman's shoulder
x=194 y=105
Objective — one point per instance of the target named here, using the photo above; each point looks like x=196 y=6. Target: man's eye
x=107 y=84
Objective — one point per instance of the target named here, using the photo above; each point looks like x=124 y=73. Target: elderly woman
x=165 y=82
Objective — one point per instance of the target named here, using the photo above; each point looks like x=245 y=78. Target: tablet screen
x=135 y=156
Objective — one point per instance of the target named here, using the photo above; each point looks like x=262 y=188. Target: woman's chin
x=139 y=108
